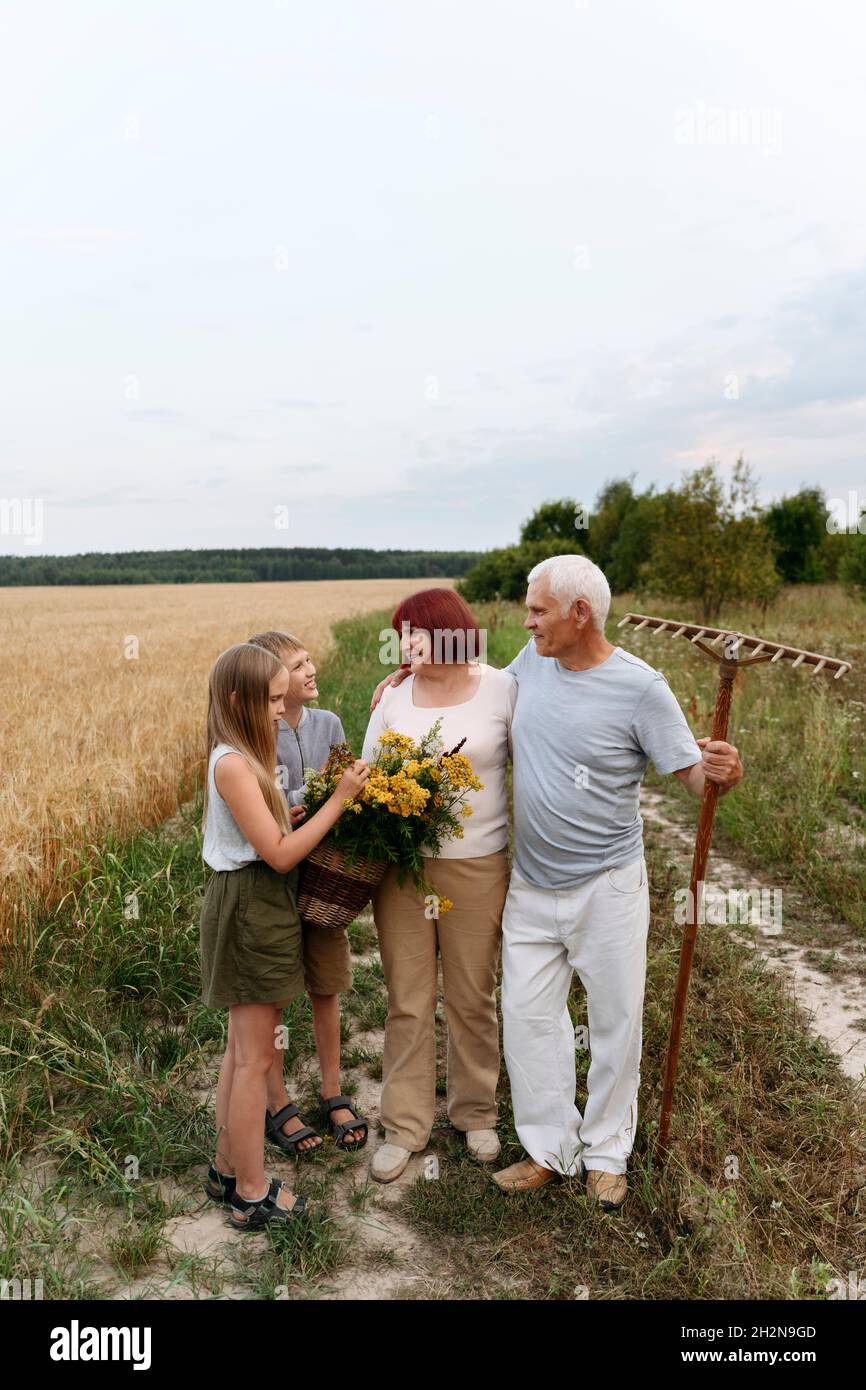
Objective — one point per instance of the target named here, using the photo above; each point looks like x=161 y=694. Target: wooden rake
x=706 y=638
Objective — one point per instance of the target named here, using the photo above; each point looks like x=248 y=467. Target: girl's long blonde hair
x=245 y=722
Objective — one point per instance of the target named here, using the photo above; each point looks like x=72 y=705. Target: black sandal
x=219 y=1186
x=261 y=1213
x=340 y=1131
x=289 y=1142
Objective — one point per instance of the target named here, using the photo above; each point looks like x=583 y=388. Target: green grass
x=802 y=740
x=103 y=1040
x=756 y=1096
x=105 y=1047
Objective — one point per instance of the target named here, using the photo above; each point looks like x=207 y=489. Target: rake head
x=759 y=648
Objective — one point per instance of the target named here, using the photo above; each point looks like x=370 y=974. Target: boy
x=304 y=740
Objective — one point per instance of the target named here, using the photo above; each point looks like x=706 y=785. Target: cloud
x=787 y=390
x=304 y=468
x=121 y=495
x=81 y=238
x=489 y=381
x=299 y=404
x=155 y=415
x=771 y=377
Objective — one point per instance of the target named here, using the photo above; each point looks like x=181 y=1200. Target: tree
x=613 y=504
x=830 y=555
x=634 y=542
x=852 y=566
x=710 y=546
x=501 y=574
x=559 y=520
x=798 y=529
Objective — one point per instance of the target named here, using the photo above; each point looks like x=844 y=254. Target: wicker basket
x=332 y=892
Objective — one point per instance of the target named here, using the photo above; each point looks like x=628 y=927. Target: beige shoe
x=483 y=1144
x=608 y=1189
x=389 y=1161
x=520 y=1177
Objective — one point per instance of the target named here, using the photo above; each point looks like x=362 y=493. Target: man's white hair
x=574 y=576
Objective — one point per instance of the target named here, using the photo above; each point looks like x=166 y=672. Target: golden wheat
x=104 y=693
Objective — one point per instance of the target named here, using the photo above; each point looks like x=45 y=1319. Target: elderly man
x=588 y=718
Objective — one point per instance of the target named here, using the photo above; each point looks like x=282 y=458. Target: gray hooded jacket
x=307 y=746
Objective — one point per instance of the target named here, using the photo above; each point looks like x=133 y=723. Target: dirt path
x=832 y=996
x=387 y=1258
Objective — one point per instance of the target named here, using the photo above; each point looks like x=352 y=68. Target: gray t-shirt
x=307 y=746
x=581 y=741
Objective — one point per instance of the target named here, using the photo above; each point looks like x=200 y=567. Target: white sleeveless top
x=224 y=845
x=484 y=721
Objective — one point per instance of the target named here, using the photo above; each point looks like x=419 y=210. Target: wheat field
x=104 y=693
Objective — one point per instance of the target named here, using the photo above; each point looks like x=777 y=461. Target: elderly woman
x=475 y=702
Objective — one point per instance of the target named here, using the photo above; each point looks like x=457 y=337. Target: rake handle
x=727 y=673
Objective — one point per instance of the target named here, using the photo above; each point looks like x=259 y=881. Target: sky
x=391 y=274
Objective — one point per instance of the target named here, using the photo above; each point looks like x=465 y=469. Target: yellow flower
x=444 y=905
x=458 y=769
x=392 y=739
x=467 y=810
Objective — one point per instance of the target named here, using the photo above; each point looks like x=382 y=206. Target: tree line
x=704 y=541
x=233 y=566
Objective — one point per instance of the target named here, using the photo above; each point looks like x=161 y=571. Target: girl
x=251 y=953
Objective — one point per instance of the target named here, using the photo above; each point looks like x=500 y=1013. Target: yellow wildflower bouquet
x=413 y=801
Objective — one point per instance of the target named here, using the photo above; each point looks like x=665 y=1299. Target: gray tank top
x=224 y=845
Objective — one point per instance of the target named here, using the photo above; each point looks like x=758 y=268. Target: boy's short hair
x=276 y=642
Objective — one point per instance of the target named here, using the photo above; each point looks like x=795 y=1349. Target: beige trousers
x=467 y=938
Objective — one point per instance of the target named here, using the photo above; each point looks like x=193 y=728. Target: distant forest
x=233 y=566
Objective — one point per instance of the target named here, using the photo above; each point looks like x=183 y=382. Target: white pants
x=598 y=929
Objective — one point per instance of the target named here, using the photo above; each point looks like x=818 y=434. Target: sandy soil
x=388 y=1259
x=834 y=1004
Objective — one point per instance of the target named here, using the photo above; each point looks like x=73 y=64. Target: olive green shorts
x=251 y=937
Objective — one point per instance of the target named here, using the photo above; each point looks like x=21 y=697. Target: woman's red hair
x=439 y=610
